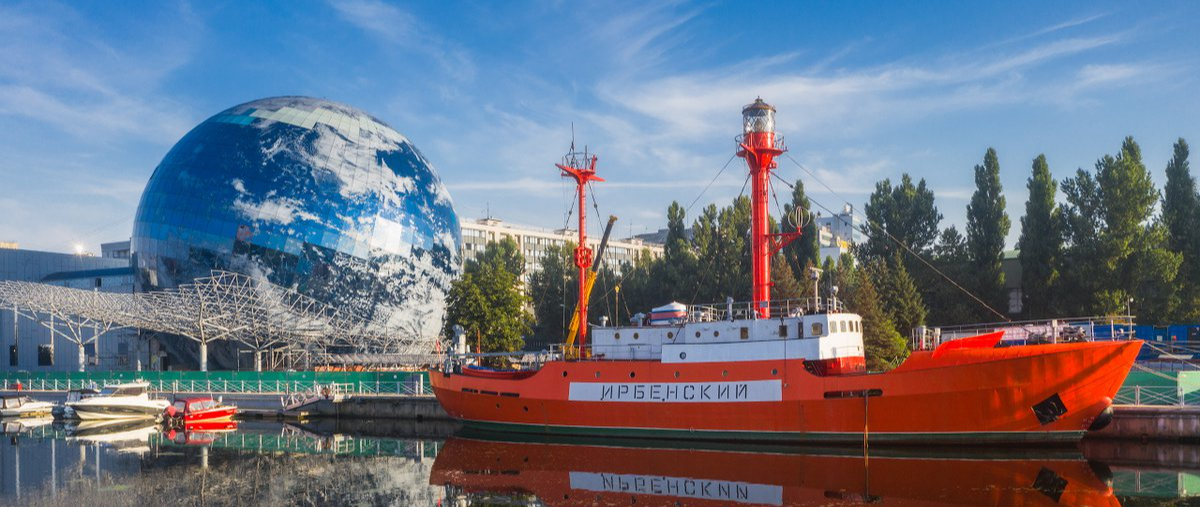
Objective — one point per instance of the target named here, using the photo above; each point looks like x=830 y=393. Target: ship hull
x=1010 y=395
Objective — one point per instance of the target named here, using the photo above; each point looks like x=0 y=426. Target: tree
x=987 y=226
x=783 y=279
x=676 y=274
x=906 y=211
x=639 y=290
x=1179 y=206
x=1181 y=217
x=883 y=346
x=898 y=294
x=487 y=300
x=554 y=292
x=1040 y=244
x=1086 y=258
x=948 y=306
x=806 y=249
x=1115 y=255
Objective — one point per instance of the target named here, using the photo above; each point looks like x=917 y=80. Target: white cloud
x=400 y=28
x=58 y=70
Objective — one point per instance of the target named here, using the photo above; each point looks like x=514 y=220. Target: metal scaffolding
x=224 y=306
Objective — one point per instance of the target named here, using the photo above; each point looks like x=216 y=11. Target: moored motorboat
x=189 y=411
x=19 y=405
x=64 y=411
x=121 y=401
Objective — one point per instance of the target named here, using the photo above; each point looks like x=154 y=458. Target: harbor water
x=439 y=464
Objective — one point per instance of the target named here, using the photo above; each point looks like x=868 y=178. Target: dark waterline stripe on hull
x=971 y=438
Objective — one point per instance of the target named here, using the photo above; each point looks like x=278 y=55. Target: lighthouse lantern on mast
x=759 y=145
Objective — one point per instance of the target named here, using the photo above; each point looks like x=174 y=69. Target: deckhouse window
x=817 y=329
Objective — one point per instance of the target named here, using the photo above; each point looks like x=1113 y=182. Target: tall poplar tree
x=906 y=211
x=1181 y=217
x=1040 y=244
x=676 y=274
x=987 y=226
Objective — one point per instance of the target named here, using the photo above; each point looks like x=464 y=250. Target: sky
x=93 y=94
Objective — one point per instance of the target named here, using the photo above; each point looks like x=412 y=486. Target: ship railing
x=747 y=310
x=521 y=360
x=740 y=139
x=1114 y=327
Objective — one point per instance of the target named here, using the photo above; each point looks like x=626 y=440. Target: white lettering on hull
x=704 y=489
x=678 y=392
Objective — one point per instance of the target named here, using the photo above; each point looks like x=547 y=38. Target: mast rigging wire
x=891 y=237
x=688 y=210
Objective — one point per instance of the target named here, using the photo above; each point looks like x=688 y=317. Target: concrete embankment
x=1146 y=422
x=362 y=406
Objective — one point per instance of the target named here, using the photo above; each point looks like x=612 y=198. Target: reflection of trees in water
x=175 y=476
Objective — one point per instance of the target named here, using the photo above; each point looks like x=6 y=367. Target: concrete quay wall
x=1145 y=422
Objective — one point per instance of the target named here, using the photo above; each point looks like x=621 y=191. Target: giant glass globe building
x=312 y=195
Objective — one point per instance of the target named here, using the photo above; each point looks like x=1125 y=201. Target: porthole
x=564 y=373
x=716 y=334
x=725 y=373
x=525 y=409
x=774 y=371
x=635 y=336
x=697 y=334
x=497 y=405
x=670 y=335
x=683 y=355
x=597 y=374
x=632 y=374
x=676 y=374
x=616 y=336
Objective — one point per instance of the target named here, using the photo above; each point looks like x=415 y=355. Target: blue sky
x=93 y=94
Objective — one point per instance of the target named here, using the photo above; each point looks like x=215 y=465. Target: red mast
x=582 y=168
x=759 y=146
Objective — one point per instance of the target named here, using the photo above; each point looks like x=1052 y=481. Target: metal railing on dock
x=1156 y=396
x=417 y=385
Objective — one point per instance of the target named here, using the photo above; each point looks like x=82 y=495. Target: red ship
x=781 y=370
x=612 y=474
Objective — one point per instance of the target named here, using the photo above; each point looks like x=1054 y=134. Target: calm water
x=413 y=464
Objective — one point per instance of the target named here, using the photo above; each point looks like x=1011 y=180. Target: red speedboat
x=189 y=411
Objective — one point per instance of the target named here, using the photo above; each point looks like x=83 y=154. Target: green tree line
x=1113 y=243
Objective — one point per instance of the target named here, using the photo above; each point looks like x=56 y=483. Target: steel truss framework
x=224 y=306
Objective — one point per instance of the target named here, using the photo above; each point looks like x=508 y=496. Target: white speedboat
x=121 y=401
x=64 y=411
x=19 y=405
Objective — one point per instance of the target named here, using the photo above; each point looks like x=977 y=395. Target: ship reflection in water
x=609 y=473
x=408 y=463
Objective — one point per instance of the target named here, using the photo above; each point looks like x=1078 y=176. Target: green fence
x=390 y=382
